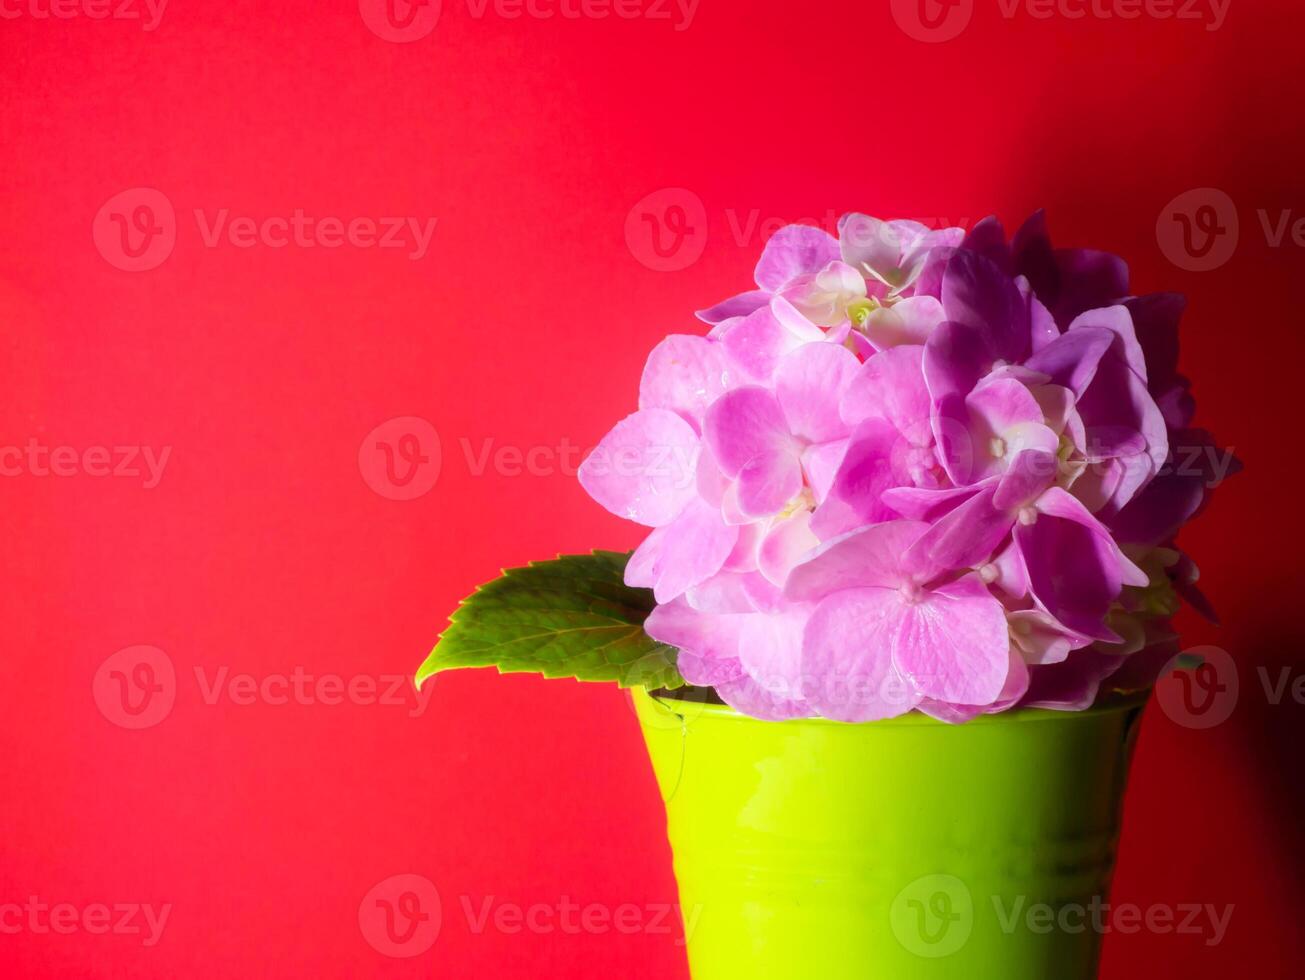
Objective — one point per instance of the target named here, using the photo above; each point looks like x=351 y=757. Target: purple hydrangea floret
x=916 y=470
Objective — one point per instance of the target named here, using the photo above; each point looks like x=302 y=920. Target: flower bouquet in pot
x=910 y=576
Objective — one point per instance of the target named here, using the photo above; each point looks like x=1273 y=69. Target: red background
x=263 y=549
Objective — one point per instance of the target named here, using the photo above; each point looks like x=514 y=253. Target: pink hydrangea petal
x=841 y=335
x=1005 y=419
x=740 y=305
x=1071 y=359
x=710 y=481
x=987 y=237
x=764 y=595
x=706 y=671
x=1008 y=572
x=917 y=248
x=746 y=695
x=685 y=374
x=1022 y=438
x=842 y=278
x=793 y=251
x=1040 y=639
x=859 y=344
x=745 y=423
x=1017 y=685
x=1058 y=503
x=744 y=556
x=870 y=246
x=823 y=297
x=928 y=242
x=1136 y=472
x=1077 y=593
x=809 y=384
x=911 y=232
x=820 y=464
x=645 y=468
x=725 y=593
x=768 y=481
x=951 y=714
x=1002 y=403
x=890 y=386
x=924 y=503
x=976 y=293
x=848 y=671
x=1029 y=474
x=713 y=639
x=955 y=360
x=866 y=471
x=1029 y=437
x=909 y=321
x=1171 y=498
x=952 y=643
x=1098 y=483
x=1043 y=325
x=1118 y=398
x=871 y=556
x=1119 y=321
x=756 y=343
x=929 y=277
x=1112 y=442
x=639 y=572
x=719 y=330
x=689 y=550
x=964 y=538
x=1071 y=685
x=731 y=510
x=792 y=319
x=770 y=649
x=1057 y=404
x=785 y=544
x=884 y=328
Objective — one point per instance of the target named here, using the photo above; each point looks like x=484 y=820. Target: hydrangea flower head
x=914 y=470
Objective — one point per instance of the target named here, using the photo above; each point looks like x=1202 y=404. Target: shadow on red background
x=263 y=822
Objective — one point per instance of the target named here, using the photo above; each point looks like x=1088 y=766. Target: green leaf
x=572 y=617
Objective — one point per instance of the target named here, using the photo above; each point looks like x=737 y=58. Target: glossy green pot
x=891 y=850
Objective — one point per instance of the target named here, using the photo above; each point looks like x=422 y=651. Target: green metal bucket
x=895 y=849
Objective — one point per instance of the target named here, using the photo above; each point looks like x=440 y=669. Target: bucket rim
x=1113 y=702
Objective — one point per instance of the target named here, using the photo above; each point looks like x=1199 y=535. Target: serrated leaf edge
x=425 y=672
